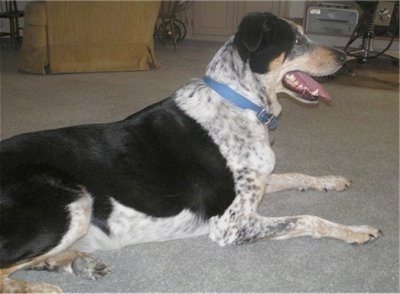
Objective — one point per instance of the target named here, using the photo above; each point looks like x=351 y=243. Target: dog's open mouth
x=304 y=86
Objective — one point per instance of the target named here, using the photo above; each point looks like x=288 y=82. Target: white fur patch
x=80 y=214
x=129 y=226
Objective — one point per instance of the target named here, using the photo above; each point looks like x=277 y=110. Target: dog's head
x=278 y=49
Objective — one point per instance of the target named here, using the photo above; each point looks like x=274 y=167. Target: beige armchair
x=88 y=36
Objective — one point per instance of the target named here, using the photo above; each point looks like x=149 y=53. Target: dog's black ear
x=261 y=38
x=251 y=32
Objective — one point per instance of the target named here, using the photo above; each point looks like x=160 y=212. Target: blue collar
x=240 y=101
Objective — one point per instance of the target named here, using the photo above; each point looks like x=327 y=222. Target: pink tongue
x=307 y=81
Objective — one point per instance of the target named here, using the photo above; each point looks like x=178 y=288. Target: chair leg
x=162 y=33
x=171 y=22
x=17 y=29
x=14 y=8
x=12 y=30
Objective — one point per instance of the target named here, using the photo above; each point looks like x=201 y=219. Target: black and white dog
x=196 y=163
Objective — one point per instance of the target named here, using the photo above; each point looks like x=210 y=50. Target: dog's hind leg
x=239 y=229
x=280 y=182
x=42 y=214
x=79 y=263
x=8 y=285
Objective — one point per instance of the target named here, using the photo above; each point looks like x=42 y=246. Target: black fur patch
x=261 y=38
x=33 y=214
x=158 y=161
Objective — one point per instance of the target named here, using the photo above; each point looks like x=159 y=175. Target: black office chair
x=366 y=29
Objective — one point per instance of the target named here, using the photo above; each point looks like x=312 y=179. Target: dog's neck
x=237 y=99
x=228 y=68
x=206 y=106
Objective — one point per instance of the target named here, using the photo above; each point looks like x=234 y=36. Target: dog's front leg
x=280 y=182
x=240 y=223
x=232 y=227
x=248 y=227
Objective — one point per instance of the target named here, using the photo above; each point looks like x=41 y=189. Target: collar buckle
x=267 y=119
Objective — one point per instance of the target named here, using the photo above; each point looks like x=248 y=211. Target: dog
x=196 y=163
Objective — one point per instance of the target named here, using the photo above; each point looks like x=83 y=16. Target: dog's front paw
x=363 y=234
x=88 y=267
x=332 y=183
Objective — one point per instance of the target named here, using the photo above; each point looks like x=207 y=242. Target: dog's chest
x=241 y=138
x=246 y=148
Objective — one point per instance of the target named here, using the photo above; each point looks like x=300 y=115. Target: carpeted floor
x=357 y=135
x=380 y=73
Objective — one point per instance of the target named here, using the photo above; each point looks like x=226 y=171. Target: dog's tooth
x=291 y=77
x=315 y=93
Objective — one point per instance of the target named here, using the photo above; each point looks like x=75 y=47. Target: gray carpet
x=357 y=136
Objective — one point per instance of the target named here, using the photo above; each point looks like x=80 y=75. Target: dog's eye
x=299 y=40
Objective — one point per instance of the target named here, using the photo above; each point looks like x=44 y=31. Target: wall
x=295 y=9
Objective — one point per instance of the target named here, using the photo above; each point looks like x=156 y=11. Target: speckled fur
x=244 y=142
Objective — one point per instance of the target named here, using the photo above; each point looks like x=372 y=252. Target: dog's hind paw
x=88 y=267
